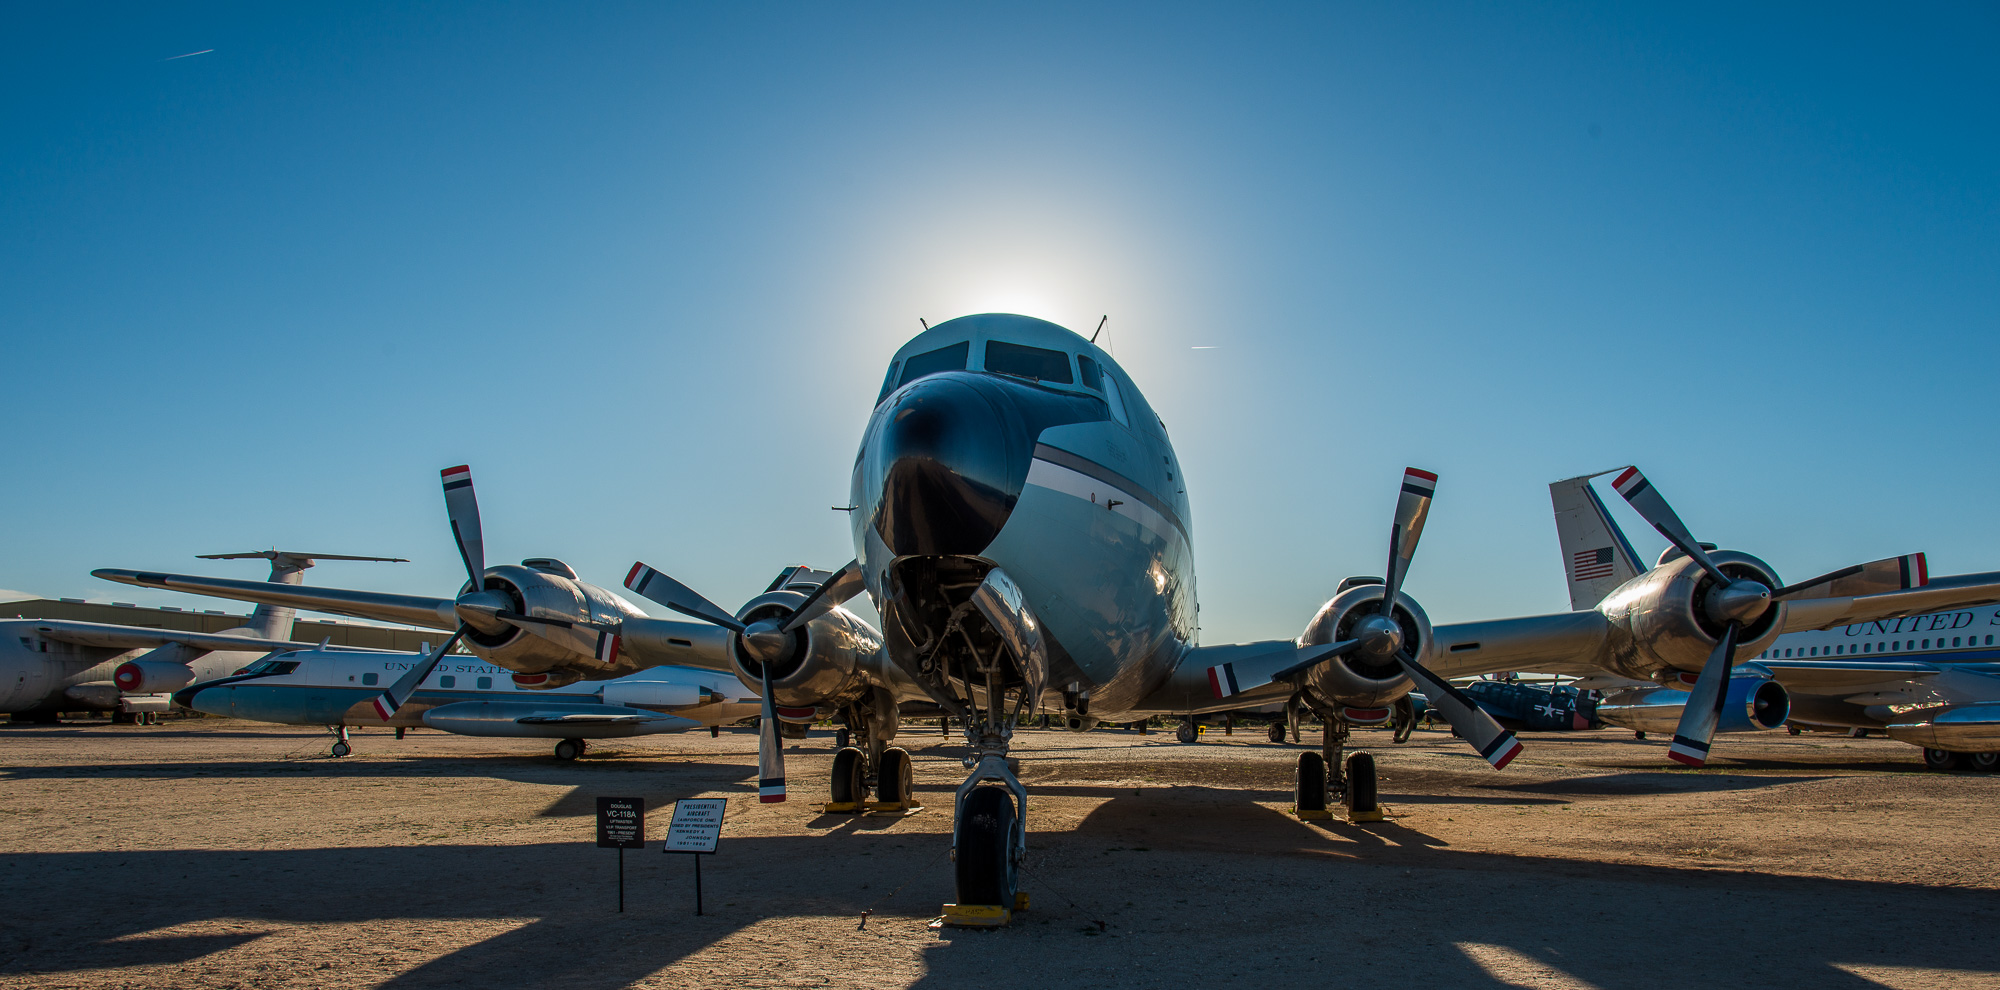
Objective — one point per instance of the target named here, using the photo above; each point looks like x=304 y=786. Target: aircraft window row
x=447 y=681
x=1893 y=646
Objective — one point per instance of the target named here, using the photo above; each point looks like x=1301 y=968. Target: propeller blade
x=1252 y=672
x=1327 y=652
x=1412 y=507
x=1910 y=570
x=1704 y=705
x=770 y=749
x=391 y=700
x=463 y=509
x=649 y=583
x=843 y=585
x=1646 y=499
x=1470 y=721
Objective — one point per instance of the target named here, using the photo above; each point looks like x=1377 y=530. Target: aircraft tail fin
x=1596 y=556
x=287 y=567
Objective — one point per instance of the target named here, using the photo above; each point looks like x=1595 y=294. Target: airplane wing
x=411 y=610
x=1222 y=678
x=113 y=637
x=1812 y=677
x=1825 y=613
x=1563 y=643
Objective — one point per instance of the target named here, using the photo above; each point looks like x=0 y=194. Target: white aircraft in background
x=1931 y=679
x=464 y=695
x=55 y=665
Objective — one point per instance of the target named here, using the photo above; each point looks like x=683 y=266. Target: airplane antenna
x=1100 y=328
x=920 y=319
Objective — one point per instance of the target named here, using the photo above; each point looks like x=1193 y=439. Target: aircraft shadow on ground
x=1354 y=897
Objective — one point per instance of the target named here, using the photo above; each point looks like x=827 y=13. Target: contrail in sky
x=188 y=55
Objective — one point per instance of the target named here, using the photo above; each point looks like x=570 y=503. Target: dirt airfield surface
x=214 y=853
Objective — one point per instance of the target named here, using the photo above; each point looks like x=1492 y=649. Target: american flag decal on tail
x=1590 y=565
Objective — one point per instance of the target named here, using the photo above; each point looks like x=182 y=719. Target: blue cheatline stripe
x=1092 y=469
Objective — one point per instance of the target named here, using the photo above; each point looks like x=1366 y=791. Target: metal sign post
x=695 y=830
x=621 y=825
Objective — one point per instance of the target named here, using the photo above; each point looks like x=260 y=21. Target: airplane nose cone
x=952 y=471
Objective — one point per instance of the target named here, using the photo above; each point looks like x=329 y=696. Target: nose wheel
x=340 y=744
x=988 y=840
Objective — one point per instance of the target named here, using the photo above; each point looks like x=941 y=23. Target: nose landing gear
x=340 y=744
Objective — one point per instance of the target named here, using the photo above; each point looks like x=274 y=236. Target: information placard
x=697 y=825
x=621 y=823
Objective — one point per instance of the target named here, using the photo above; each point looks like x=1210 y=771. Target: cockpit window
x=1034 y=363
x=1086 y=369
x=948 y=358
x=272 y=667
x=888 y=384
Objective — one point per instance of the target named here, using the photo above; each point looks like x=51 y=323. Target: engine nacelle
x=1755 y=702
x=1660 y=625
x=826 y=664
x=151 y=676
x=548 y=591
x=1351 y=681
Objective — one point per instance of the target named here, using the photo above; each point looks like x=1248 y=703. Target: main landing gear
x=570 y=749
x=1947 y=760
x=873 y=765
x=1321 y=775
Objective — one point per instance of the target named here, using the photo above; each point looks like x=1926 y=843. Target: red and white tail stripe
x=1692 y=752
x=1222 y=680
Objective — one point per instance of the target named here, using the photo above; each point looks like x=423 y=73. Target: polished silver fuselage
x=1097 y=537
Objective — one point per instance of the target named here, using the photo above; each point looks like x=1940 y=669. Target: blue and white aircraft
x=1020 y=522
x=462 y=694
x=1931 y=679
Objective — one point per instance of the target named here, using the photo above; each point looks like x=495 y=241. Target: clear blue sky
x=642 y=267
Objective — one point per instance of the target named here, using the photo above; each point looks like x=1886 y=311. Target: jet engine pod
x=1359 y=679
x=1755 y=702
x=818 y=664
x=151 y=676
x=1667 y=618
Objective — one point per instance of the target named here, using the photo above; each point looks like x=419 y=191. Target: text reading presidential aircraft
x=463 y=695
x=1020 y=524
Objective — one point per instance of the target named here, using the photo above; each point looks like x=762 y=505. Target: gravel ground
x=214 y=853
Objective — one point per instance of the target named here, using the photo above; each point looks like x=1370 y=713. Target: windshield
x=947 y=358
x=1033 y=363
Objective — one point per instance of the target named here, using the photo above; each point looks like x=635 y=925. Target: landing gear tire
x=841 y=737
x=1187 y=733
x=1309 y=793
x=1361 y=794
x=981 y=858
x=1276 y=733
x=1983 y=762
x=341 y=749
x=1943 y=760
x=569 y=749
x=848 y=785
x=892 y=779
x=1791 y=730
x=1640 y=735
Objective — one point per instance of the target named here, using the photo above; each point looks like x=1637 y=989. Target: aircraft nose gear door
x=989 y=826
